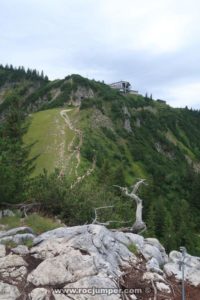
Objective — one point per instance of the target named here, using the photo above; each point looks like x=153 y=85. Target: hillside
x=98 y=138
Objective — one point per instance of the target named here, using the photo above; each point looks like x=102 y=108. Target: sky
x=153 y=44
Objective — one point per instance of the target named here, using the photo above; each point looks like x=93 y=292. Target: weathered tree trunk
x=138 y=225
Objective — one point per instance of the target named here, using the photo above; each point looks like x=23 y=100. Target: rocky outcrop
x=89 y=262
x=17 y=235
x=192 y=267
x=80 y=94
x=8 y=292
x=127 y=123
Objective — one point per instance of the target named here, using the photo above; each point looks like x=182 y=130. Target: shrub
x=41 y=224
x=133 y=248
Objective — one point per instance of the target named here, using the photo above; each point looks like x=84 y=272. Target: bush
x=40 y=224
x=133 y=248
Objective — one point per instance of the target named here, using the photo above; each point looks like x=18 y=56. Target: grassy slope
x=51 y=136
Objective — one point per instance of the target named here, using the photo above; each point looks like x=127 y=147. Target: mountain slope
x=98 y=138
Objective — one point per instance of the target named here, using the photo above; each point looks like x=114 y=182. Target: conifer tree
x=15 y=167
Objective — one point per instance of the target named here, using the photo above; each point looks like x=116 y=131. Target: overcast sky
x=153 y=44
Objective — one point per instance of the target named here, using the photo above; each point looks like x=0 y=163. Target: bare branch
x=138 y=226
x=107 y=223
x=95 y=221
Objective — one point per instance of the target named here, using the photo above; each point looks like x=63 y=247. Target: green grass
x=133 y=248
x=38 y=223
x=51 y=136
x=11 y=222
x=171 y=137
x=9 y=244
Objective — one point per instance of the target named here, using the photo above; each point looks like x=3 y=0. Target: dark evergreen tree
x=15 y=167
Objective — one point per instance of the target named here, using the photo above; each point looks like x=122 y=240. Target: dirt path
x=77 y=149
x=78 y=133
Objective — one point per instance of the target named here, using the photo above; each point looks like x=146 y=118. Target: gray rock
x=12 y=261
x=67 y=232
x=95 y=240
x=153 y=266
x=163 y=287
x=154 y=242
x=6 y=213
x=80 y=94
x=126 y=112
x=61 y=297
x=193 y=277
x=127 y=126
x=105 y=288
x=150 y=251
x=21 y=250
x=138 y=123
x=14 y=231
x=39 y=294
x=175 y=256
x=149 y=276
x=192 y=267
x=8 y=292
x=13 y=266
x=172 y=269
x=2 y=250
x=64 y=269
x=136 y=239
x=17 y=274
x=18 y=238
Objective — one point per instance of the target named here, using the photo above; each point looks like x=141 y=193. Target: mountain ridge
x=128 y=137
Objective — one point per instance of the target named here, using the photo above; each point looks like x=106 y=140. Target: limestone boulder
x=39 y=294
x=2 y=250
x=8 y=291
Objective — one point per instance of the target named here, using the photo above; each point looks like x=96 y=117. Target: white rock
x=155 y=242
x=18 y=230
x=39 y=294
x=175 y=256
x=129 y=238
x=193 y=277
x=97 y=241
x=136 y=239
x=150 y=251
x=50 y=272
x=8 y=292
x=153 y=266
x=17 y=238
x=105 y=288
x=153 y=276
x=172 y=269
x=67 y=232
x=6 y=213
x=2 y=250
x=53 y=247
x=19 y=273
x=133 y=297
x=63 y=269
x=162 y=287
x=192 y=267
x=21 y=250
x=61 y=297
x=192 y=261
x=12 y=261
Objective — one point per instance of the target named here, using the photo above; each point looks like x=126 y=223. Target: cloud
x=153 y=44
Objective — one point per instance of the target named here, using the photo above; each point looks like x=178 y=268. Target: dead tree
x=138 y=226
x=107 y=223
